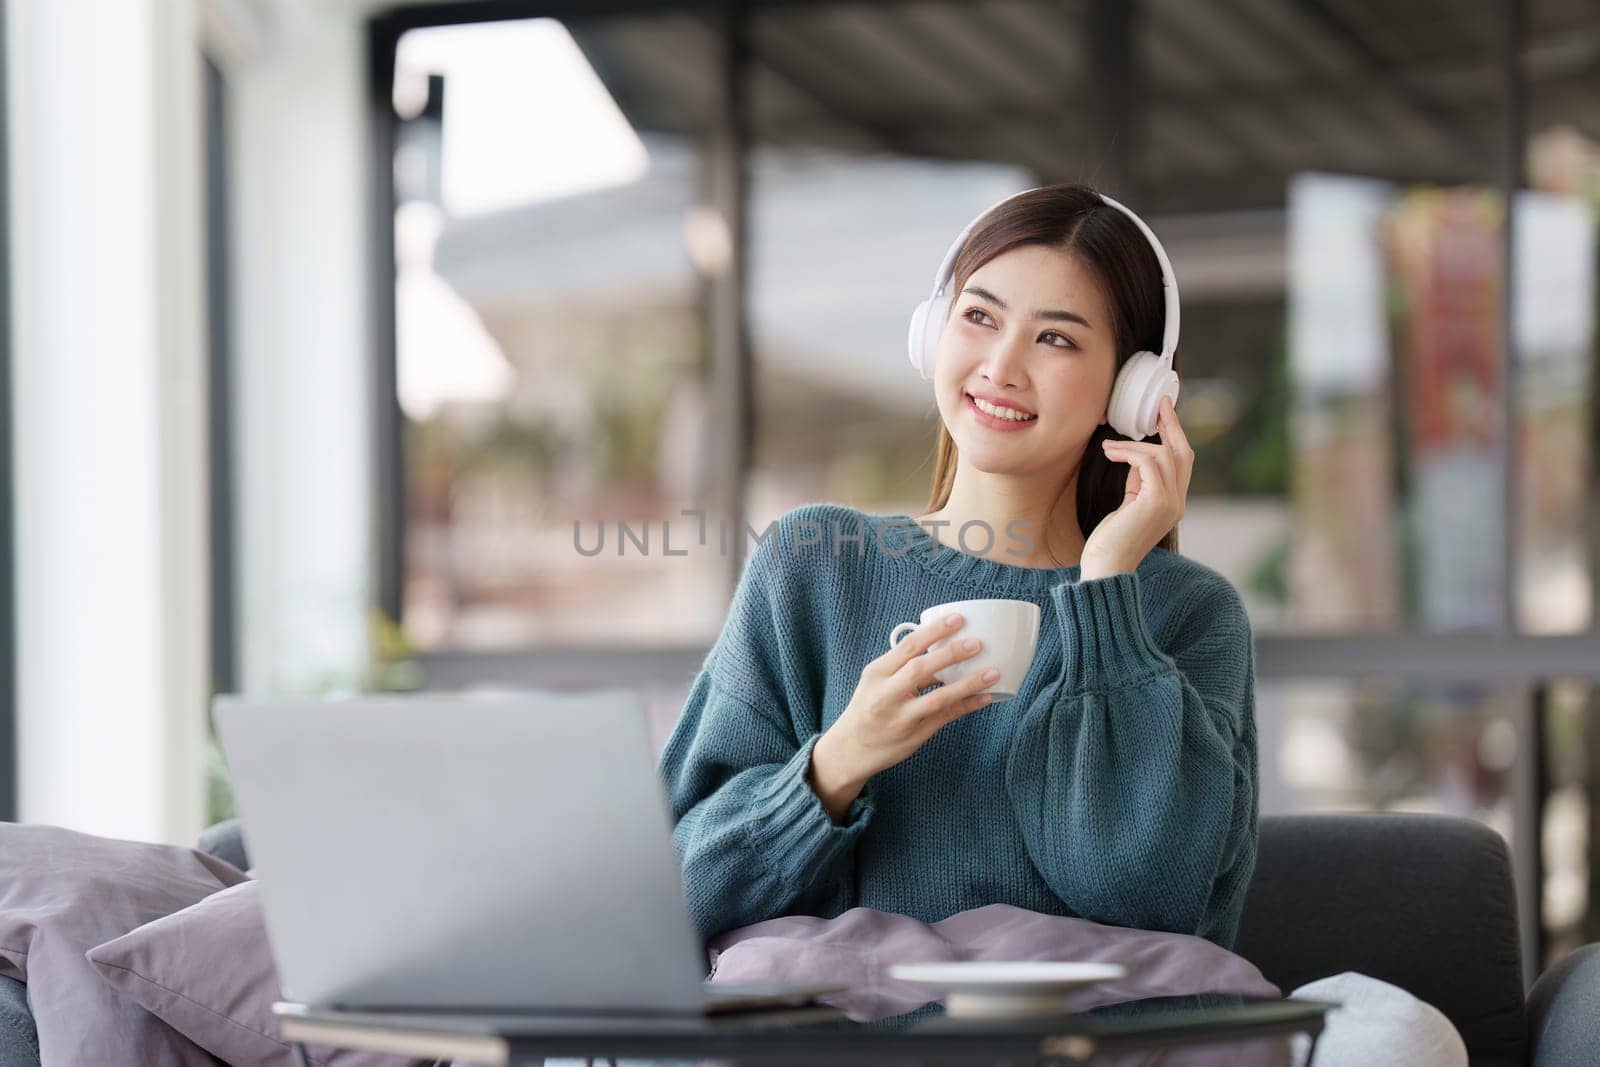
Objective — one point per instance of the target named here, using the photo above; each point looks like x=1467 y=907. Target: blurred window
x=1328 y=180
x=552 y=364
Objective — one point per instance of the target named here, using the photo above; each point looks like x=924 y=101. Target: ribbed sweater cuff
x=791 y=830
x=1102 y=627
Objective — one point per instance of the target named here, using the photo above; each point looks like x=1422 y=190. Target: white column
x=106 y=219
x=300 y=195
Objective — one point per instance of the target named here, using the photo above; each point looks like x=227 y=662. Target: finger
x=1144 y=461
x=1155 y=468
x=1169 y=463
x=1162 y=450
x=942 y=700
x=1165 y=460
x=1172 y=433
x=920 y=671
x=966 y=706
x=1177 y=442
x=1132 y=446
x=1127 y=451
x=1124 y=451
x=917 y=641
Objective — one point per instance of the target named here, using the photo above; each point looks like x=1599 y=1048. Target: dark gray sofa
x=1422 y=901
x=1425 y=902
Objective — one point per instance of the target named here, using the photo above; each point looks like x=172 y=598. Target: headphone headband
x=1169 y=281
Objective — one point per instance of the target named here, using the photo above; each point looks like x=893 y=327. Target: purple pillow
x=207 y=972
x=63 y=892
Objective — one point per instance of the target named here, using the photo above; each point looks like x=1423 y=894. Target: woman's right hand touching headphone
x=886 y=720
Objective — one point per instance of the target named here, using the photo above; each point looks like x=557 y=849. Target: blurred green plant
x=219 y=785
x=1268 y=576
x=518 y=447
x=1261 y=459
x=624 y=439
x=393 y=667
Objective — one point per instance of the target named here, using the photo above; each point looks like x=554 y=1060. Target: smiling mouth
x=1000 y=413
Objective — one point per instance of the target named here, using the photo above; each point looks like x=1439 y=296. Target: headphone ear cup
x=927 y=321
x=919 y=321
x=1136 y=396
x=1128 y=411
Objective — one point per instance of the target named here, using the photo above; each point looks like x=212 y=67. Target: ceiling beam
x=1422 y=104
x=1116 y=104
x=808 y=81
x=946 y=60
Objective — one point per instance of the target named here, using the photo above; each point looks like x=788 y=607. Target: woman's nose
x=1003 y=362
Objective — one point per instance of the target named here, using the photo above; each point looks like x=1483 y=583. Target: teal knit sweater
x=1118 y=785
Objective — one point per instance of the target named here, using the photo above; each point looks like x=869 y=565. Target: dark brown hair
x=1073 y=218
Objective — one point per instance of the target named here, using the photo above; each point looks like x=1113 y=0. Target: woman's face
x=1030 y=332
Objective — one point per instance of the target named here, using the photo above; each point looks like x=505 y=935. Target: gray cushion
x=225 y=840
x=19 y=1040
x=1564 y=1010
x=1423 y=901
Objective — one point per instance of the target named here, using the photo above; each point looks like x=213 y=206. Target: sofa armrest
x=1424 y=902
x=225 y=841
x=1564 y=1011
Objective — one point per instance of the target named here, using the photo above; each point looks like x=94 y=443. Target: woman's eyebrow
x=1055 y=314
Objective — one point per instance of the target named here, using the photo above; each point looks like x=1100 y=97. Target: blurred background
x=336 y=328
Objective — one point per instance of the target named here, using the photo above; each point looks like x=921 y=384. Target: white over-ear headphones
x=1144 y=379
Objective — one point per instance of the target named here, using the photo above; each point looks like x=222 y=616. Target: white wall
x=106 y=219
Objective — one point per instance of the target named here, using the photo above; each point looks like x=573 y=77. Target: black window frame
x=220 y=421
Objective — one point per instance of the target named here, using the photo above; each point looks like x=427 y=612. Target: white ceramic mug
x=1009 y=630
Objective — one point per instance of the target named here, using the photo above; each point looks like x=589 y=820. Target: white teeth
x=1001 y=413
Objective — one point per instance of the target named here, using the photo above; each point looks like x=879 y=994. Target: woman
x=813 y=770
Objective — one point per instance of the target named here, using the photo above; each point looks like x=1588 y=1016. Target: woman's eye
x=979 y=317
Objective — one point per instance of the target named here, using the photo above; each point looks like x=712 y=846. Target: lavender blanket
x=859 y=946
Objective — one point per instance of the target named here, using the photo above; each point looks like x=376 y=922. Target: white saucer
x=993 y=987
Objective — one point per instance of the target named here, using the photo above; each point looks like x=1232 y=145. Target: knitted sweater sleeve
x=1133 y=776
x=754 y=839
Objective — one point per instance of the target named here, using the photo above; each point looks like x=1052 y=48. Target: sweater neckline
x=908 y=539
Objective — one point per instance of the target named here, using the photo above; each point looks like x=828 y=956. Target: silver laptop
x=505 y=853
